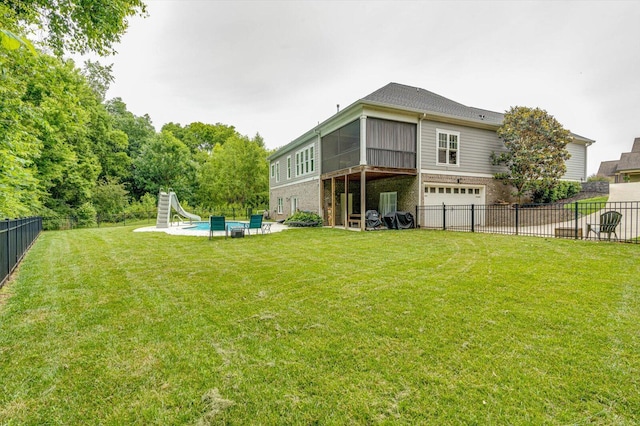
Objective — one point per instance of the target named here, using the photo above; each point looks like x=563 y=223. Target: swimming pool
x=204 y=226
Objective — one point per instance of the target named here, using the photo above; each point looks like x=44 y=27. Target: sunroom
x=368 y=164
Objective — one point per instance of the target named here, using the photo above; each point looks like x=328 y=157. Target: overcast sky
x=279 y=67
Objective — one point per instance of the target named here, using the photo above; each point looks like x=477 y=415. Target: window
x=448 y=145
x=273 y=170
x=289 y=167
x=388 y=202
x=280 y=205
x=278 y=171
x=294 y=205
x=305 y=161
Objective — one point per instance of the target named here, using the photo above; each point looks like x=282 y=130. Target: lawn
x=321 y=326
x=588 y=205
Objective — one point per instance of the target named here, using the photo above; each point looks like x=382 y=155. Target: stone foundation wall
x=598 y=187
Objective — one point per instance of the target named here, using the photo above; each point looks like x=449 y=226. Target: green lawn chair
x=217 y=223
x=609 y=221
x=254 y=223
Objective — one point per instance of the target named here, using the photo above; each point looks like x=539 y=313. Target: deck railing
x=16 y=237
x=578 y=220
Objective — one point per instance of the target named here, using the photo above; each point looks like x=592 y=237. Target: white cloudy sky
x=280 y=67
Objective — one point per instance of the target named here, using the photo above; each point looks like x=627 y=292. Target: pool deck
x=182 y=230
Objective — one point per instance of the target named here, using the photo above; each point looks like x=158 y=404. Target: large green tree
x=535 y=150
x=235 y=174
x=165 y=162
x=75 y=26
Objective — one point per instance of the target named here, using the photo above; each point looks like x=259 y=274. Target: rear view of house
x=395 y=149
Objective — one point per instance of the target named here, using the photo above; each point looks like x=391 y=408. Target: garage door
x=458 y=198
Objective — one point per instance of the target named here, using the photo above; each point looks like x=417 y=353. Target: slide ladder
x=167 y=200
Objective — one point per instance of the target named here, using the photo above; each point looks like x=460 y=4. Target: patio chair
x=217 y=223
x=372 y=219
x=609 y=221
x=255 y=222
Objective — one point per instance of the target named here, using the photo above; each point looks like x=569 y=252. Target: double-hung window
x=448 y=147
x=289 y=167
x=305 y=161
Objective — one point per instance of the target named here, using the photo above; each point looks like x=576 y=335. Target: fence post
x=444 y=217
x=575 y=216
x=417 y=218
x=4 y=226
x=517 y=218
x=473 y=210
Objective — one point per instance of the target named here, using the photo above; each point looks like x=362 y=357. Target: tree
x=99 y=77
x=236 y=173
x=110 y=197
x=75 y=26
x=165 y=162
x=536 y=150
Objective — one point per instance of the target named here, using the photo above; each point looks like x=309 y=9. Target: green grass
x=321 y=326
x=588 y=205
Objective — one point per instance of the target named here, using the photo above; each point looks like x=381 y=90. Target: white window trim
x=447 y=132
x=280 y=205
x=306 y=160
x=289 y=167
x=273 y=170
x=277 y=171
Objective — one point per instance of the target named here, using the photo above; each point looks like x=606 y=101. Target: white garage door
x=453 y=195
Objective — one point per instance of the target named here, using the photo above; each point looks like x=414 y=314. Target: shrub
x=142 y=209
x=596 y=178
x=86 y=215
x=302 y=218
x=561 y=191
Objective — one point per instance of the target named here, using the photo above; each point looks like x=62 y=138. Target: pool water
x=204 y=226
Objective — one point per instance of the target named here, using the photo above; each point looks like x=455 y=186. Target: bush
x=562 y=190
x=143 y=209
x=86 y=215
x=302 y=218
x=596 y=178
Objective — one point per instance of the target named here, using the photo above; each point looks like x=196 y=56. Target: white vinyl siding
x=474 y=149
x=576 y=164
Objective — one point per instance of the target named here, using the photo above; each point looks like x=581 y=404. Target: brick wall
x=307 y=194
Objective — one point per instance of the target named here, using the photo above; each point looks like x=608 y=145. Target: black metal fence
x=577 y=220
x=16 y=236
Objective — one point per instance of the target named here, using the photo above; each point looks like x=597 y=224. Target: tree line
x=65 y=150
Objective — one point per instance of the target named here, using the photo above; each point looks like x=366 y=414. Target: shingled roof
x=415 y=98
x=629 y=161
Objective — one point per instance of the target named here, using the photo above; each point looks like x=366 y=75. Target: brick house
x=394 y=149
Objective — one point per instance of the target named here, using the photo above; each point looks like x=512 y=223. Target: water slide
x=166 y=201
x=177 y=207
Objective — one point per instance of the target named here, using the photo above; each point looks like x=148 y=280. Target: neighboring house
x=395 y=149
x=626 y=169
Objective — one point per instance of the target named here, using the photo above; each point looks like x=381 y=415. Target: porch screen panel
x=341 y=148
x=391 y=144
